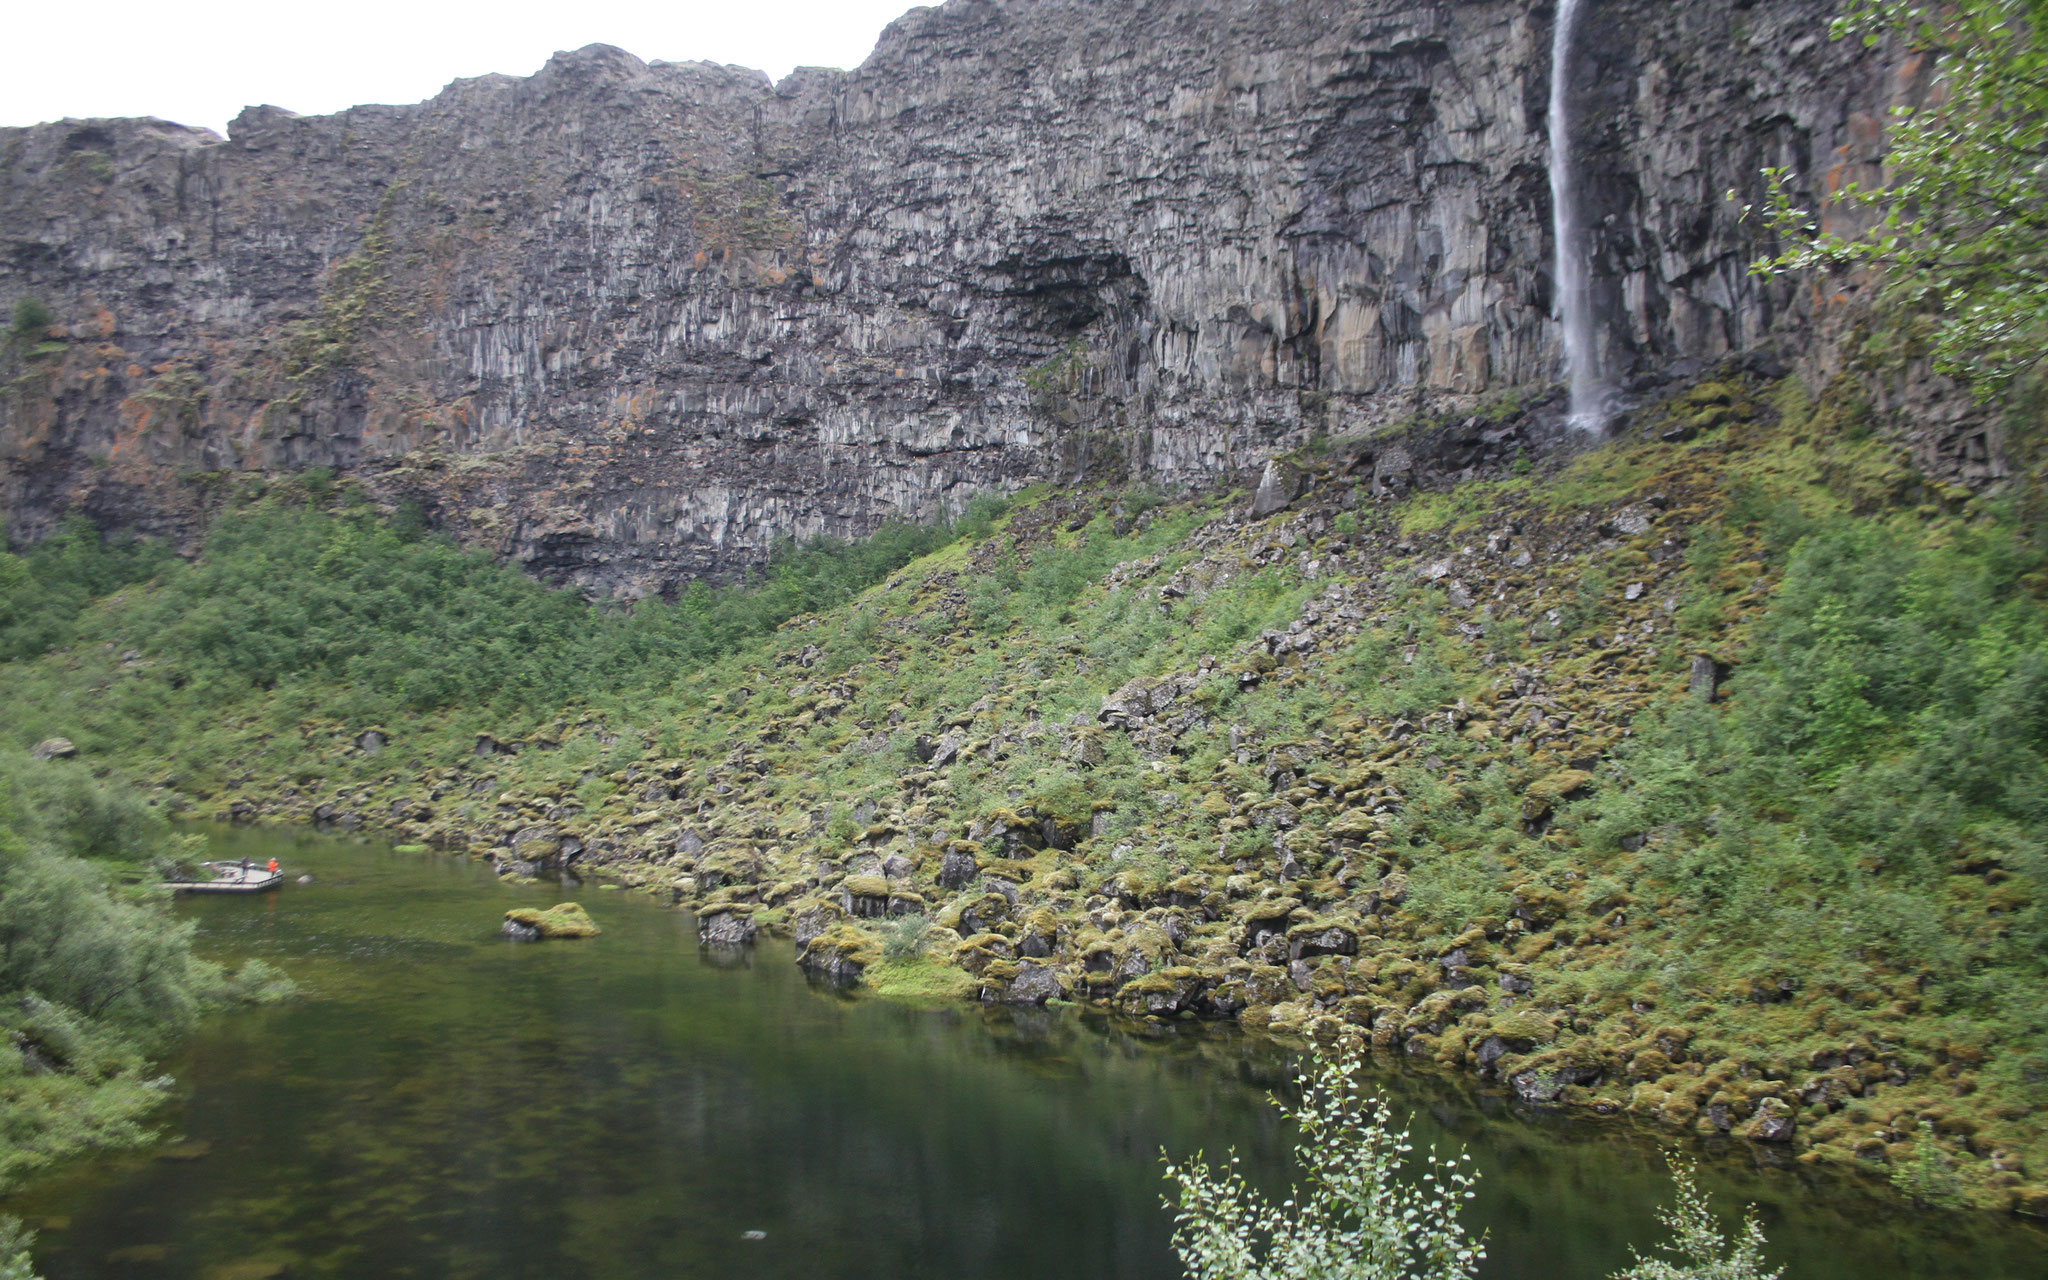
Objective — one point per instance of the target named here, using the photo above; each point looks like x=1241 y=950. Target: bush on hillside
x=288 y=589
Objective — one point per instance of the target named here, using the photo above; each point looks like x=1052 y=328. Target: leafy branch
x=1959 y=236
x=1353 y=1218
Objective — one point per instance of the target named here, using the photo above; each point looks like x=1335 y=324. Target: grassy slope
x=1386 y=732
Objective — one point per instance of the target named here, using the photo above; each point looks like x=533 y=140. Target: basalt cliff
x=626 y=322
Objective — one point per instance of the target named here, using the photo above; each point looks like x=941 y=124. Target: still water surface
x=444 y=1104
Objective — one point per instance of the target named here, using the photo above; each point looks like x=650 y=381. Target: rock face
x=628 y=322
x=729 y=927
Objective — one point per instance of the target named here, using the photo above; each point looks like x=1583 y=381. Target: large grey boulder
x=957 y=869
x=540 y=844
x=1280 y=484
x=726 y=927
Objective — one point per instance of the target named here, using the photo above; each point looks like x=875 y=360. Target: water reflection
x=450 y=1105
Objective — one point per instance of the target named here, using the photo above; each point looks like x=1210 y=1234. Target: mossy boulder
x=539 y=843
x=1545 y=1078
x=1543 y=794
x=1161 y=994
x=1020 y=983
x=1517 y=1033
x=563 y=920
x=866 y=896
x=2031 y=1201
x=841 y=955
x=1038 y=934
x=1540 y=906
x=1773 y=1120
x=728 y=925
x=1267 y=919
x=1354 y=824
x=980 y=914
x=976 y=953
x=1313 y=938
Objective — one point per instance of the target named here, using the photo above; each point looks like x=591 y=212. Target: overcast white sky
x=202 y=63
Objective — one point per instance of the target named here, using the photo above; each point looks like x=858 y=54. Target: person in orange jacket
x=273 y=866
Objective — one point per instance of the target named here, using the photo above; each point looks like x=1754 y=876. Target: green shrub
x=1701 y=1250
x=1892 y=717
x=903 y=938
x=15 y=1243
x=1929 y=1179
x=32 y=320
x=413 y=623
x=44 y=590
x=93 y=974
x=1353 y=1217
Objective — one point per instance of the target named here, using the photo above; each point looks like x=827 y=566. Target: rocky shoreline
x=1299 y=921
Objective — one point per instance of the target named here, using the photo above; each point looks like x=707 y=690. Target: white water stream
x=1574 y=294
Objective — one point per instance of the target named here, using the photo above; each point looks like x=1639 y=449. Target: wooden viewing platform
x=228 y=877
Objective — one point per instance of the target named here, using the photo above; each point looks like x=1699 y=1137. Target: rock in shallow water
x=841 y=954
x=726 y=927
x=563 y=920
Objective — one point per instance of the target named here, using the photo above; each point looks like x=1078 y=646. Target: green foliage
x=903 y=938
x=81 y=818
x=15 y=1243
x=412 y=623
x=43 y=591
x=1699 y=1247
x=1269 y=598
x=93 y=972
x=1928 y=1179
x=1456 y=843
x=1041 y=590
x=1956 y=229
x=1355 y=1217
x=1891 y=726
x=32 y=321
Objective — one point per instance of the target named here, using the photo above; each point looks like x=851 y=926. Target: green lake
x=446 y=1104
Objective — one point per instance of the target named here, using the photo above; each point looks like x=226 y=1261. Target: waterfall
x=1574 y=296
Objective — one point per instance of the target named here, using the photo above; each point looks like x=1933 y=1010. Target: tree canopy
x=1958 y=229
